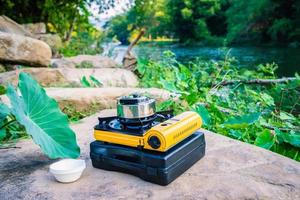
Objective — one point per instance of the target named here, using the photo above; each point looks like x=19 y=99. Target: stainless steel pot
x=135 y=106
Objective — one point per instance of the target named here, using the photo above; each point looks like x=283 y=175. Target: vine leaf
x=242 y=121
x=171 y=87
x=166 y=105
x=43 y=119
x=265 y=139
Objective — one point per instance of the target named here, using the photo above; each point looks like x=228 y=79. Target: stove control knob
x=154 y=142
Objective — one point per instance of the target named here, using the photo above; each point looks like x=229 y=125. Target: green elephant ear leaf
x=242 y=121
x=43 y=119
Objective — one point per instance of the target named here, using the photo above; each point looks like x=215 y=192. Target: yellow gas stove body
x=160 y=137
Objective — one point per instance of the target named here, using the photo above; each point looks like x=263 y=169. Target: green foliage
x=189 y=18
x=265 y=139
x=87 y=41
x=264 y=115
x=202 y=111
x=2 y=90
x=41 y=117
x=204 y=21
x=61 y=17
x=74 y=115
x=85 y=82
x=149 y=15
x=85 y=64
x=241 y=121
x=96 y=82
x=10 y=128
x=263 y=21
x=213 y=22
x=92 y=82
x=119 y=27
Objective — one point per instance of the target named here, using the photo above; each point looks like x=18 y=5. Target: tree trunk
x=69 y=33
x=142 y=32
x=129 y=61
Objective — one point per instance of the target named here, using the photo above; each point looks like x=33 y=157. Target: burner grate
x=132 y=126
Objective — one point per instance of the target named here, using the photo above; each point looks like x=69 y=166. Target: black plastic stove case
x=157 y=167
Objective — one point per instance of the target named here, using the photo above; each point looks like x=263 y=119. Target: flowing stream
x=288 y=59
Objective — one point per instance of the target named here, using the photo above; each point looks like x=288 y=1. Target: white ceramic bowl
x=67 y=170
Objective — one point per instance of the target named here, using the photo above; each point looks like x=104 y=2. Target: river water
x=288 y=59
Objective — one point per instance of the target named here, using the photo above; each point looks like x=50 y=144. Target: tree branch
x=256 y=81
x=129 y=61
x=281 y=128
x=142 y=32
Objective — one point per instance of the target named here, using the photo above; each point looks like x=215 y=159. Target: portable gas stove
x=156 y=146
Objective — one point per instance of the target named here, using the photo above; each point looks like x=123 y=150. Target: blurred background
x=256 y=31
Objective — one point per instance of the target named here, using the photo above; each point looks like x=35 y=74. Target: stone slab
x=101 y=98
x=229 y=170
x=71 y=77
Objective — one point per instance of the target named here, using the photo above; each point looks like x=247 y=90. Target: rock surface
x=61 y=63
x=23 y=50
x=44 y=76
x=85 y=61
x=116 y=77
x=229 y=170
x=99 y=98
x=35 y=28
x=7 y=25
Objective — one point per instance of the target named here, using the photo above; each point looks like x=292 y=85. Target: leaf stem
x=296 y=155
x=294 y=106
x=7 y=123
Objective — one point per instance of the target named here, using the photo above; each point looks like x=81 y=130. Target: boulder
x=85 y=61
x=53 y=40
x=229 y=170
x=18 y=49
x=35 y=28
x=44 y=76
x=61 y=63
x=72 y=77
x=7 y=25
